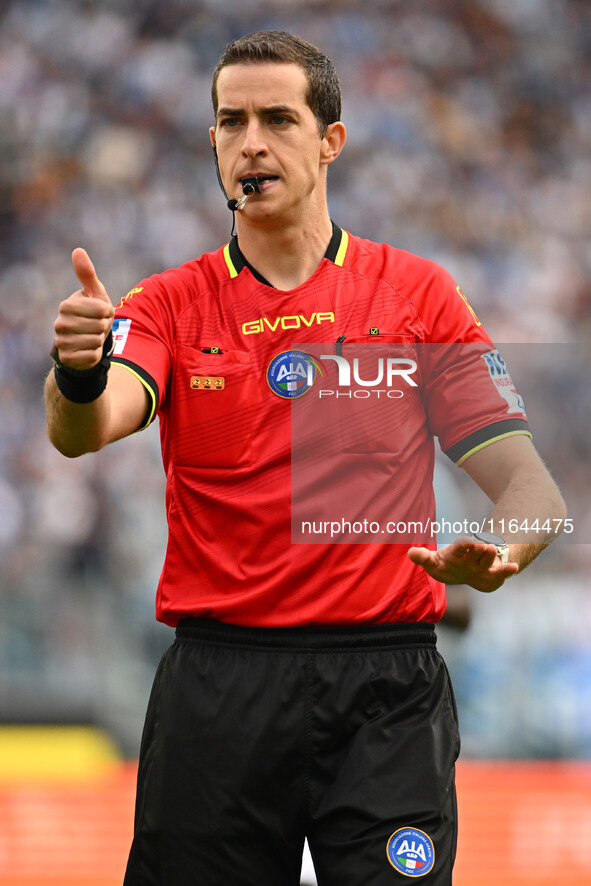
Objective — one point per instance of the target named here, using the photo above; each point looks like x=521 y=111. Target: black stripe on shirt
x=150 y=385
x=505 y=428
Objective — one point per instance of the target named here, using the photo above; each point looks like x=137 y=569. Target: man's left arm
x=512 y=474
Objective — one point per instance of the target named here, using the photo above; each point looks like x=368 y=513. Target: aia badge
x=291 y=374
x=411 y=852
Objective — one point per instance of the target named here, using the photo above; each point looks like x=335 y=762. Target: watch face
x=488 y=538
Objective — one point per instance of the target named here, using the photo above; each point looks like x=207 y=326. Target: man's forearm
x=75 y=428
x=529 y=515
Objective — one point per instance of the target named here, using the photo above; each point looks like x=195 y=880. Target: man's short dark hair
x=324 y=92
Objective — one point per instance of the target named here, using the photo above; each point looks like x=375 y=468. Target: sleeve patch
x=499 y=375
x=121 y=329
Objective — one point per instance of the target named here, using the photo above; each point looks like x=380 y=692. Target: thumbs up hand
x=84 y=319
x=84 y=270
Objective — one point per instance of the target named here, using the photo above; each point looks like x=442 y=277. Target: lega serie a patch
x=291 y=374
x=411 y=852
x=121 y=327
x=499 y=375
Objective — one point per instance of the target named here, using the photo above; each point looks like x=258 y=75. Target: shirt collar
x=335 y=252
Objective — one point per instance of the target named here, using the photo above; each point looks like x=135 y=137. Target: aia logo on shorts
x=411 y=852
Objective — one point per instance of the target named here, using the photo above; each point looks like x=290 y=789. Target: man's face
x=264 y=127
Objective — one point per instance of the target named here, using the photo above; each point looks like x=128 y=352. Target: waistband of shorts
x=308 y=637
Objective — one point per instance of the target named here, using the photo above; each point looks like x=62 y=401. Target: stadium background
x=469 y=126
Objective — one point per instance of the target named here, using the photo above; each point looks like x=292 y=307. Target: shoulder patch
x=499 y=375
x=120 y=330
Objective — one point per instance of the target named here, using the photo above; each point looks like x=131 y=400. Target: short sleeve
x=470 y=397
x=142 y=337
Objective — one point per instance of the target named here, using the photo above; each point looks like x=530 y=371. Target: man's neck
x=288 y=256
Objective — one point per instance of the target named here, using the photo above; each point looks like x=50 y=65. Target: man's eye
x=229 y=121
x=278 y=120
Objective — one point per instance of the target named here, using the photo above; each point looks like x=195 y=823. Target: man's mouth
x=258 y=180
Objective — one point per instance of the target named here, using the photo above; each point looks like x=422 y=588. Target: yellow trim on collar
x=340 y=256
x=229 y=262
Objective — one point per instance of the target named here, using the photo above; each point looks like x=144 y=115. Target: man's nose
x=254 y=142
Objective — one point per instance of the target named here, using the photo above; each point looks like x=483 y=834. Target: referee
x=304 y=696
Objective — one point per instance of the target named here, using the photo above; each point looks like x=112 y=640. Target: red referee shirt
x=216 y=347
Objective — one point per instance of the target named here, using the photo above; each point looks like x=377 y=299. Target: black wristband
x=84 y=385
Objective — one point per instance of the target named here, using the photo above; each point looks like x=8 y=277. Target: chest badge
x=291 y=374
x=208 y=382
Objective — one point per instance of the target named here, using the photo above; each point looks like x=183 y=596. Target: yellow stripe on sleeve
x=493 y=440
x=149 y=389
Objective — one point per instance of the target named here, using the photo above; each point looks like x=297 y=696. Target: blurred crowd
x=469 y=141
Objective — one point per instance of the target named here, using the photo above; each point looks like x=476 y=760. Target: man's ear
x=333 y=142
x=212 y=136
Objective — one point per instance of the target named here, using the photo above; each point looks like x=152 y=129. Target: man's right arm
x=76 y=428
x=83 y=323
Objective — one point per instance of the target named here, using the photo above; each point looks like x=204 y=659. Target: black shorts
x=257 y=738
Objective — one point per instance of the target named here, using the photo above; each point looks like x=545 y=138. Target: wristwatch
x=500 y=544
